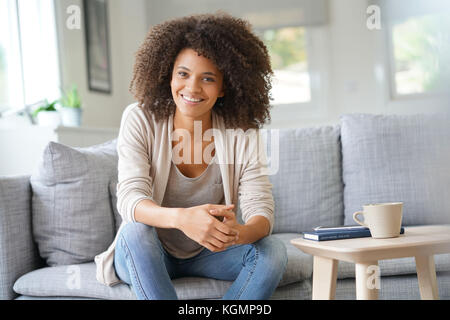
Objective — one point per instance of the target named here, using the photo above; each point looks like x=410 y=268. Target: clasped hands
x=201 y=225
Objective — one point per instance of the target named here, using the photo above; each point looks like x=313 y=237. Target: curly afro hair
x=228 y=42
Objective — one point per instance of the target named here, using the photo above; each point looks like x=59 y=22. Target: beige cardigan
x=145 y=153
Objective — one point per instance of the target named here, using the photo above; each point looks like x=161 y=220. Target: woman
x=181 y=173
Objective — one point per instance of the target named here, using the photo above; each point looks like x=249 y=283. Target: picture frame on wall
x=97 y=45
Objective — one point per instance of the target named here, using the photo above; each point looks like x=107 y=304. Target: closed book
x=339 y=233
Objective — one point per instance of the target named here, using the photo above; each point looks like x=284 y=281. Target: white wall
x=353 y=85
x=127 y=29
x=20 y=154
x=356 y=77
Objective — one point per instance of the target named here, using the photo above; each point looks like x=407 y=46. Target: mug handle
x=357 y=220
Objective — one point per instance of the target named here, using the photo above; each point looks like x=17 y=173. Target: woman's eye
x=184 y=74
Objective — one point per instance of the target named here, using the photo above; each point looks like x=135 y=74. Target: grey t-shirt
x=184 y=192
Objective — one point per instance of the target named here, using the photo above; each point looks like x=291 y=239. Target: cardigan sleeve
x=133 y=146
x=255 y=189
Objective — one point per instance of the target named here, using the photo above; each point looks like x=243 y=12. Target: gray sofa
x=53 y=222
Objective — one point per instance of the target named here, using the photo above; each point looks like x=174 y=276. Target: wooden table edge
x=356 y=255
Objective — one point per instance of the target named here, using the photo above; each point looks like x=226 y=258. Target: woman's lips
x=191 y=102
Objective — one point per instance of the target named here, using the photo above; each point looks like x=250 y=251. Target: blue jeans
x=141 y=261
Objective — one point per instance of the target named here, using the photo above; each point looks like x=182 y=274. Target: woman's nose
x=193 y=85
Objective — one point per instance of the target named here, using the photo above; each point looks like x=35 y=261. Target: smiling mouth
x=189 y=100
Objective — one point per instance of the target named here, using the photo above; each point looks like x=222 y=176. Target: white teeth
x=191 y=99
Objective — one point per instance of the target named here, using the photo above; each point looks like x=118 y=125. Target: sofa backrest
x=316 y=181
x=74 y=204
x=306 y=174
x=307 y=187
x=393 y=158
x=18 y=252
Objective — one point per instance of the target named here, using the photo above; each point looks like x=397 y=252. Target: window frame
x=391 y=66
x=317 y=48
x=20 y=104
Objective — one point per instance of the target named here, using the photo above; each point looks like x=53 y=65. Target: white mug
x=384 y=220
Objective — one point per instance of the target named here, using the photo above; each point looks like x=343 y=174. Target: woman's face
x=196 y=84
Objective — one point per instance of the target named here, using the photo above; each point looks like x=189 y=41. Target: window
x=420 y=55
x=287 y=49
x=10 y=69
x=29 y=68
x=300 y=61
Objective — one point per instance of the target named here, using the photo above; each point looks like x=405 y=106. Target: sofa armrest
x=18 y=252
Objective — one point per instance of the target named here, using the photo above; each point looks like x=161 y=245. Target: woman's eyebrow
x=208 y=72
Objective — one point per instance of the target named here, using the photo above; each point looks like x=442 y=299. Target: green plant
x=71 y=98
x=47 y=106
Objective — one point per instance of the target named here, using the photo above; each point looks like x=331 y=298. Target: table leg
x=324 y=278
x=367 y=280
x=426 y=274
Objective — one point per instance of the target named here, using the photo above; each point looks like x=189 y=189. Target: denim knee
x=134 y=232
x=273 y=253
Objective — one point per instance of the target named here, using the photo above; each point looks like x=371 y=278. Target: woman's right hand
x=199 y=225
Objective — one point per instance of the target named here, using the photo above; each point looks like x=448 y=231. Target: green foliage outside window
x=286 y=47
x=422 y=54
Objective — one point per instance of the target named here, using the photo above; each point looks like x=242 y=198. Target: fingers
x=220 y=207
x=221 y=236
x=217 y=245
x=222 y=212
x=227 y=230
x=222 y=227
x=225 y=238
x=216 y=240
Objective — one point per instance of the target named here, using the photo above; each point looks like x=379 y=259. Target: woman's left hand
x=229 y=219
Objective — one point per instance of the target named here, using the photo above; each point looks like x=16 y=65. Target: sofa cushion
x=76 y=280
x=52 y=298
x=79 y=280
x=72 y=217
x=391 y=158
x=307 y=184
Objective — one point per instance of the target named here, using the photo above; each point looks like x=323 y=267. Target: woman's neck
x=187 y=123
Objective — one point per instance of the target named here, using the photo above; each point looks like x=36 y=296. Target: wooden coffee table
x=421 y=242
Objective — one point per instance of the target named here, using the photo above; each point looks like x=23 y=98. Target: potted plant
x=71 y=108
x=47 y=115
